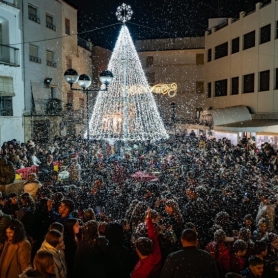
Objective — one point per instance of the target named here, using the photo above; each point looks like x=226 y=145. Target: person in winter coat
x=53 y=242
x=118 y=262
x=238 y=256
x=220 y=252
x=266 y=210
x=16 y=253
x=44 y=266
x=148 y=251
x=89 y=260
x=189 y=262
x=255 y=269
x=71 y=240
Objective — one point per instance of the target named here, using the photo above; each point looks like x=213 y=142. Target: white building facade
x=11 y=72
x=242 y=69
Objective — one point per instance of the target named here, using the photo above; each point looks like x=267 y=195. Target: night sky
x=160 y=18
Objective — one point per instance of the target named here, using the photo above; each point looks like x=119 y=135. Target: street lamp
x=84 y=81
x=173 y=106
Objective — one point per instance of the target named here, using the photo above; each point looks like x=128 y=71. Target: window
x=221 y=50
x=276 y=81
x=50 y=59
x=67 y=26
x=49 y=22
x=34 y=53
x=6 y=94
x=248 y=83
x=151 y=77
x=249 y=40
x=200 y=87
x=265 y=34
x=276 y=29
x=209 y=55
x=235 y=45
x=200 y=59
x=149 y=61
x=221 y=88
x=209 y=90
x=33 y=13
x=235 y=86
x=6 y=106
x=68 y=62
x=264 y=80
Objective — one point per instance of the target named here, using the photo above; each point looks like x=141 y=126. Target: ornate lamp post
x=173 y=106
x=84 y=81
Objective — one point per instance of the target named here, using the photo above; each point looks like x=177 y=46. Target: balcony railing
x=35 y=59
x=51 y=26
x=34 y=18
x=51 y=64
x=13 y=3
x=9 y=55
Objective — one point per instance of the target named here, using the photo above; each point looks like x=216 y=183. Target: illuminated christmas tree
x=127 y=110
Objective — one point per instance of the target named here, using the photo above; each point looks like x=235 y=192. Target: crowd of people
x=211 y=210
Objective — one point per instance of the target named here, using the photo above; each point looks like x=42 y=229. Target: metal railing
x=51 y=26
x=13 y=3
x=51 y=64
x=34 y=18
x=35 y=59
x=9 y=55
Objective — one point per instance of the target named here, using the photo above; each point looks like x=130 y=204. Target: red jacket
x=237 y=263
x=221 y=255
x=144 y=267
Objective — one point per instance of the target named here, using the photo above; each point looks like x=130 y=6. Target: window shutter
x=6 y=86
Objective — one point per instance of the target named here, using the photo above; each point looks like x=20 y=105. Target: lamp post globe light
x=84 y=81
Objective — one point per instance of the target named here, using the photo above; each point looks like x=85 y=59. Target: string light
x=164 y=89
x=127 y=110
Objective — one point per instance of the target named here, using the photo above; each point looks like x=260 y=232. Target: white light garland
x=127 y=111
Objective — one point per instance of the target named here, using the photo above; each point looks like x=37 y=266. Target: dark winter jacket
x=189 y=262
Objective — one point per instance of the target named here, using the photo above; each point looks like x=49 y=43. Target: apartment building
x=11 y=72
x=241 y=65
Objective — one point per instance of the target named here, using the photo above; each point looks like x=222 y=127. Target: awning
x=223 y=116
x=6 y=86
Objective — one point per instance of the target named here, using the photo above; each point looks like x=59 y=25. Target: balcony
x=51 y=26
x=35 y=59
x=9 y=55
x=13 y=3
x=51 y=64
x=34 y=18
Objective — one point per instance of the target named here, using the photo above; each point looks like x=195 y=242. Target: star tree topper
x=124 y=13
